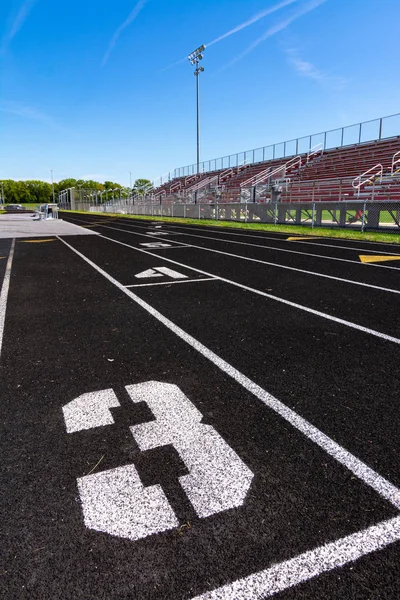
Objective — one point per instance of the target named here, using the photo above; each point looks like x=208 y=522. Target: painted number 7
x=116 y=502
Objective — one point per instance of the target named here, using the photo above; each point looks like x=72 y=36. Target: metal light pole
x=2 y=193
x=195 y=58
x=130 y=179
x=52 y=184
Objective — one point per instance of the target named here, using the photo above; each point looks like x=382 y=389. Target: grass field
x=390 y=238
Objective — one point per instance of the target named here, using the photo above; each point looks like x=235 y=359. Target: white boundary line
x=312 y=311
x=171 y=282
x=4 y=293
x=284 y=239
x=270 y=264
x=316 y=561
x=381 y=485
x=346 y=260
x=305 y=566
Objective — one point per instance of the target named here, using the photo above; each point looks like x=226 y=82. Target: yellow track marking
x=367 y=258
x=295 y=239
x=36 y=241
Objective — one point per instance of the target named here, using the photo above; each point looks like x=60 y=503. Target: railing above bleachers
x=367 y=131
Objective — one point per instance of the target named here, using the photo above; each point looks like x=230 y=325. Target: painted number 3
x=116 y=502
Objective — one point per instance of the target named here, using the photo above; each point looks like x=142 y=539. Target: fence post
x=363 y=216
x=313 y=213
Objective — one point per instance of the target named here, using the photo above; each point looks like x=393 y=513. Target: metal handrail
x=296 y=160
x=395 y=162
x=268 y=174
x=318 y=148
x=255 y=178
x=191 y=177
x=244 y=163
x=175 y=187
x=202 y=184
x=226 y=173
x=360 y=181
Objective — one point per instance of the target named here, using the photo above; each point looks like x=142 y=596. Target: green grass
x=28 y=206
x=304 y=230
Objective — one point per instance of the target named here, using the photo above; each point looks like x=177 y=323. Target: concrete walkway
x=23 y=226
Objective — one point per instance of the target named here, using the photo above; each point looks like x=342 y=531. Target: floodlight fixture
x=194 y=58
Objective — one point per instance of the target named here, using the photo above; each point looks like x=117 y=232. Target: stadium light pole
x=52 y=184
x=194 y=59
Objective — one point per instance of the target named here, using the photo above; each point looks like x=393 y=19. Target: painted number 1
x=116 y=502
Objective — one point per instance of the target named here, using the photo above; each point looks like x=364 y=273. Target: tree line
x=34 y=191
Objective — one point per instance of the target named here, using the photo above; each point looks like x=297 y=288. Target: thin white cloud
x=30 y=112
x=306 y=8
x=18 y=22
x=23 y=110
x=307 y=69
x=131 y=17
x=253 y=19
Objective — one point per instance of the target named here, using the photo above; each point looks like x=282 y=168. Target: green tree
x=111 y=185
x=141 y=187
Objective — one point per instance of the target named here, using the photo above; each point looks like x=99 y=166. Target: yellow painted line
x=36 y=241
x=295 y=239
x=367 y=258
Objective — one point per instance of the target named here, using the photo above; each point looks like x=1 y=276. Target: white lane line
x=4 y=293
x=139 y=285
x=148 y=235
x=305 y=566
x=271 y=264
x=305 y=254
x=312 y=311
x=381 y=485
x=170 y=273
x=275 y=239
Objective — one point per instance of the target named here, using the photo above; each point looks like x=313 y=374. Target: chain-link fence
x=360 y=215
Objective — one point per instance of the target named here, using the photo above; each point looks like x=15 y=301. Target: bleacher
x=319 y=176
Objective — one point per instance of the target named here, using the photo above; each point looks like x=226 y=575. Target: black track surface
x=69 y=331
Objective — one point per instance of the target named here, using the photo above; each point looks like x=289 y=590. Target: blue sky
x=85 y=89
